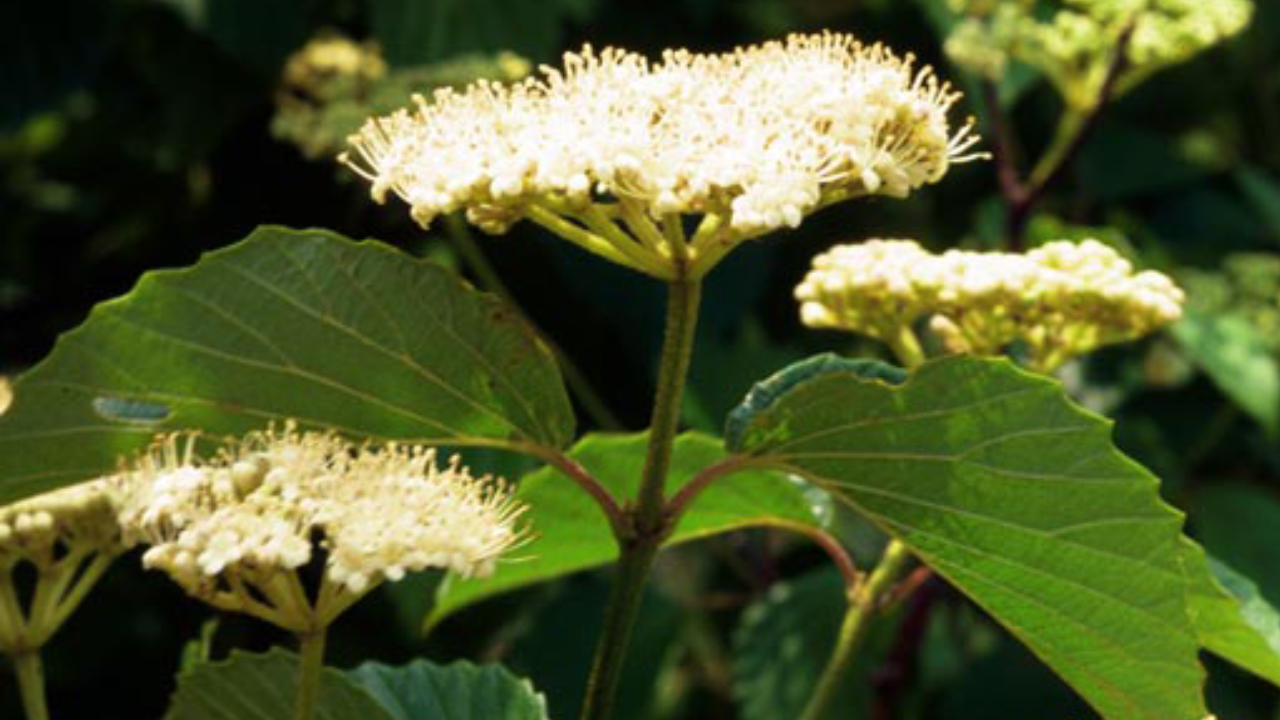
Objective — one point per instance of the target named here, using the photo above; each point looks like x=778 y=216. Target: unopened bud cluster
x=603 y=148
x=1059 y=300
x=269 y=504
x=69 y=537
x=75 y=520
x=1074 y=43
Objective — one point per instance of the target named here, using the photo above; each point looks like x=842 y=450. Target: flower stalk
x=649 y=519
x=310 y=665
x=30 y=671
x=865 y=603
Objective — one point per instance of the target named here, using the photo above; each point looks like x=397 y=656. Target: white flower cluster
x=1061 y=299
x=1073 y=46
x=76 y=520
x=758 y=138
x=263 y=506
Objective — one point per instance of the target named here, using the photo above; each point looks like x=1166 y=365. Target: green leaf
x=257 y=33
x=1263 y=192
x=767 y=391
x=1015 y=495
x=784 y=642
x=287 y=324
x=261 y=687
x=1231 y=617
x=415 y=32
x=1232 y=353
x=573 y=534
x=459 y=691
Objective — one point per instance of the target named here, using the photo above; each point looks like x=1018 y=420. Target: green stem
x=865 y=602
x=589 y=241
x=1061 y=147
x=30 y=671
x=683 y=297
x=69 y=601
x=906 y=346
x=310 y=664
x=650 y=521
x=615 y=635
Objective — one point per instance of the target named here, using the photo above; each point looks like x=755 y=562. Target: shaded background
x=137 y=134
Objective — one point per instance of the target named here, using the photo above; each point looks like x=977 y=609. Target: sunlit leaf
x=1018 y=497
x=1232 y=618
x=571 y=533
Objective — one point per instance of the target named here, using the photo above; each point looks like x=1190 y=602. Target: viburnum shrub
x=273 y=423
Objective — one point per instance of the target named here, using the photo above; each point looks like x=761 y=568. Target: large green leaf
x=1263 y=192
x=256 y=33
x=459 y=691
x=996 y=480
x=572 y=533
x=287 y=324
x=414 y=32
x=261 y=687
x=1231 y=617
x=1238 y=360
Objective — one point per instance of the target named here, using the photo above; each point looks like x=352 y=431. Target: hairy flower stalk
x=613 y=151
x=238 y=529
x=1058 y=301
x=68 y=537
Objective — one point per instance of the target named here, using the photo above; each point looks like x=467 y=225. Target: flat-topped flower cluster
x=266 y=505
x=1061 y=299
x=756 y=138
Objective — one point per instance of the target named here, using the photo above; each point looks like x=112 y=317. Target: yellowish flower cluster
x=330 y=55
x=1060 y=300
x=612 y=150
x=42 y=529
x=1074 y=45
x=69 y=536
x=278 y=500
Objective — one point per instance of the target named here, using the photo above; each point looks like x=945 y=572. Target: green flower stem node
x=650 y=522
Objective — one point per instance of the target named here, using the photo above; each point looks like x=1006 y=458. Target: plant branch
x=310 y=665
x=865 y=603
x=681 y=501
x=591 y=242
x=1075 y=127
x=649 y=524
x=30 y=672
